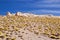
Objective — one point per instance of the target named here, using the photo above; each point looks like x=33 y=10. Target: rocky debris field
x=29 y=27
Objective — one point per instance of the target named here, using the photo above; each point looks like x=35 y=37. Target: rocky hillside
x=25 y=26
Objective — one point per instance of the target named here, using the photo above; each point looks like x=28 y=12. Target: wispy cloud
x=42 y=4
x=55 y=12
x=49 y=5
x=51 y=1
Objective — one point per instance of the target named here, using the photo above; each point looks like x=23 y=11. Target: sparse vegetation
x=46 y=25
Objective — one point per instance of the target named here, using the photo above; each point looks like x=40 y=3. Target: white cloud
x=46 y=4
x=49 y=5
x=51 y=1
x=45 y=11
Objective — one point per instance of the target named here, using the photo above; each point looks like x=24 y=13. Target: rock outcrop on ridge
x=26 y=26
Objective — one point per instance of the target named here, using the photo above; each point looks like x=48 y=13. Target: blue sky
x=32 y=6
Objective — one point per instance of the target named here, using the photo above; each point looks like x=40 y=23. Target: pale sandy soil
x=24 y=34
